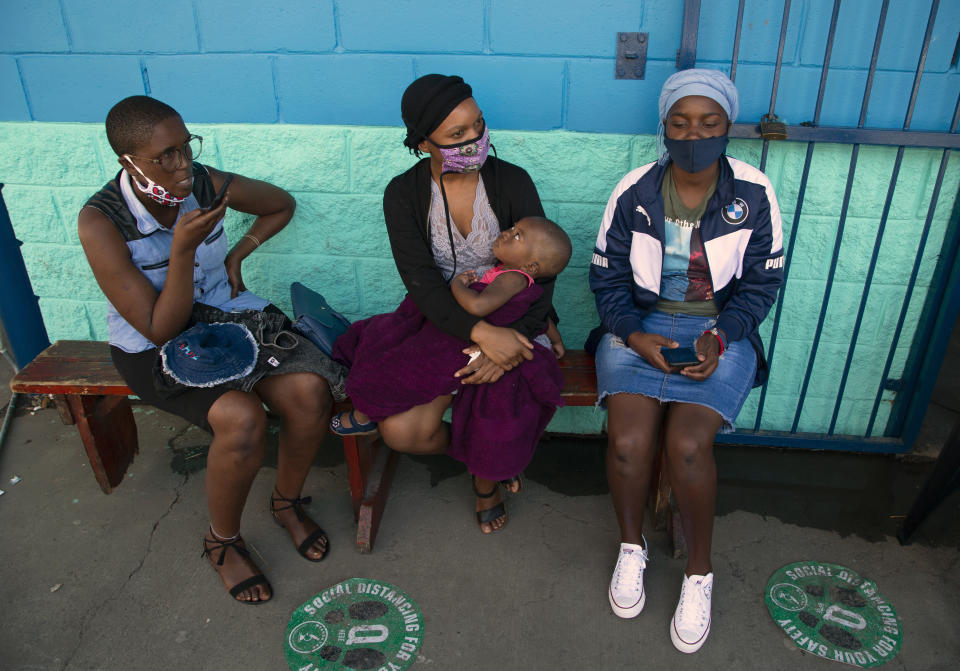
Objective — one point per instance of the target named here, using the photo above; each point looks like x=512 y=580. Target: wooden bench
x=580 y=389
x=89 y=392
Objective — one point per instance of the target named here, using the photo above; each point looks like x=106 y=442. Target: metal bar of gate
x=891 y=137
x=944 y=302
x=838 y=239
x=796 y=224
x=736 y=43
x=776 y=74
x=836 y=250
x=880 y=228
x=687 y=54
x=910 y=285
x=934 y=6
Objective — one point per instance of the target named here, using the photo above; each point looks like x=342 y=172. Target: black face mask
x=696 y=155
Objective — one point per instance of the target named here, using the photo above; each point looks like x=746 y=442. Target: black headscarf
x=427 y=102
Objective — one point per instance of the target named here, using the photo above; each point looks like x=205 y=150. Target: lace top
x=475 y=252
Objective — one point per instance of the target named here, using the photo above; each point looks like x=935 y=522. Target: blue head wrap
x=711 y=84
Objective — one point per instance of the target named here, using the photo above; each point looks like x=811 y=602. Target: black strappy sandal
x=295 y=503
x=490 y=514
x=211 y=546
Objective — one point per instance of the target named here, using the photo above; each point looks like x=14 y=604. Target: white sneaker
x=626 y=586
x=691 y=620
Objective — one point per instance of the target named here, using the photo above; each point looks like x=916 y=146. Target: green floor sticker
x=357 y=624
x=830 y=611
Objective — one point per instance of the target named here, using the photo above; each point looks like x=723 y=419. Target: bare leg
x=419 y=430
x=239 y=424
x=632 y=428
x=303 y=402
x=688 y=440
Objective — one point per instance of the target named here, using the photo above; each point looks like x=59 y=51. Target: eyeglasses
x=172 y=159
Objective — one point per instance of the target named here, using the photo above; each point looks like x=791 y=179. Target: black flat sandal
x=296 y=503
x=490 y=514
x=211 y=546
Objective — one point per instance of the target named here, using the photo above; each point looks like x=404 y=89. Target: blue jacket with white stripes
x=742 y=240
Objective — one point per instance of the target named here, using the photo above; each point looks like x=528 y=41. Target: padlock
x=772 y=127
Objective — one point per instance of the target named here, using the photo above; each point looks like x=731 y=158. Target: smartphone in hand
x=681 y=357
x=220 y=194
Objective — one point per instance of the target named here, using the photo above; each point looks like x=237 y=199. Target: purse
x=315 y=319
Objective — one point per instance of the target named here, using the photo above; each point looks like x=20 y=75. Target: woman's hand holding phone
x=221 y=196
x=194 y=227
x=649 y=345
x=708 y=351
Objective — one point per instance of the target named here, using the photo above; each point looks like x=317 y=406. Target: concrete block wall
x=542 y=64
x=305 y=94
x=336 y=242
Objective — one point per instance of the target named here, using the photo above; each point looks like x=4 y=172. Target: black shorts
x=137 y=370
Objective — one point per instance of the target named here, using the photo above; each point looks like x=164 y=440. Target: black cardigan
x=406 y=207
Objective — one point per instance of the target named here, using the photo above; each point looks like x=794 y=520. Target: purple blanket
x=400 y=360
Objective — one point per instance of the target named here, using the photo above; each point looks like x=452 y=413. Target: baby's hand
x=558 y=349
x=466 y=278
x=556 y=340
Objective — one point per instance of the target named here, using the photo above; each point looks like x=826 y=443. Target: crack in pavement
x=550 y=510
x=97 y=608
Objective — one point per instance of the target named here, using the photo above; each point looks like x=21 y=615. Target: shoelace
x=693 y=604
x=629 y=567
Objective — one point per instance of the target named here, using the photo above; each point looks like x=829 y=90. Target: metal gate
x=905 y=379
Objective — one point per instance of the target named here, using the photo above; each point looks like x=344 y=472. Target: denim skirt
x=620 y=370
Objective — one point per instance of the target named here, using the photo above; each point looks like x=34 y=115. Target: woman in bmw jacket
x=688 y=261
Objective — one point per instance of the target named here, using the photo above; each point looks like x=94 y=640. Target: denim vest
x=149 y=244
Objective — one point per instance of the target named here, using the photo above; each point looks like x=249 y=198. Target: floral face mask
x=466 y=156
x=153 y=190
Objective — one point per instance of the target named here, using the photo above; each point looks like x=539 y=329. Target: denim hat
x=206 y=355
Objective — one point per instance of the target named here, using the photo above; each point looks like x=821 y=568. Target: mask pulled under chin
x=154 y=191
x=466 y=156
x=696 y=155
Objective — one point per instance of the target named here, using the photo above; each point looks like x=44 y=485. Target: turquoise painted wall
x=336 y=242
x=305 y=93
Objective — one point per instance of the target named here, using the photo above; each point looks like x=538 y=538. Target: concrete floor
x=134 y=593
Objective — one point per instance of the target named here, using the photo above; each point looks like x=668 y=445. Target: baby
x=535 y=247
x=408 y=361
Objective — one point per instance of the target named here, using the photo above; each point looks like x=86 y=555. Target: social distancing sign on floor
x=358 y=624
x=830 y=611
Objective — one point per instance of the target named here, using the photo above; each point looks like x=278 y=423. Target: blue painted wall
x=536 y=64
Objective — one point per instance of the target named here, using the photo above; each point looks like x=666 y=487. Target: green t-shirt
x=685 y=284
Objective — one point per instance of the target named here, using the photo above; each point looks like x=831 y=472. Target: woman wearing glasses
x=155 y=240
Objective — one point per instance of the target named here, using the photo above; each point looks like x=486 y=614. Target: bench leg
x=379 y=478
x=63 y=408
x=676 y=532
x=356 y=471
x=109 y=435
x=370 y=469
x=658 y=500
x=666 y=515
